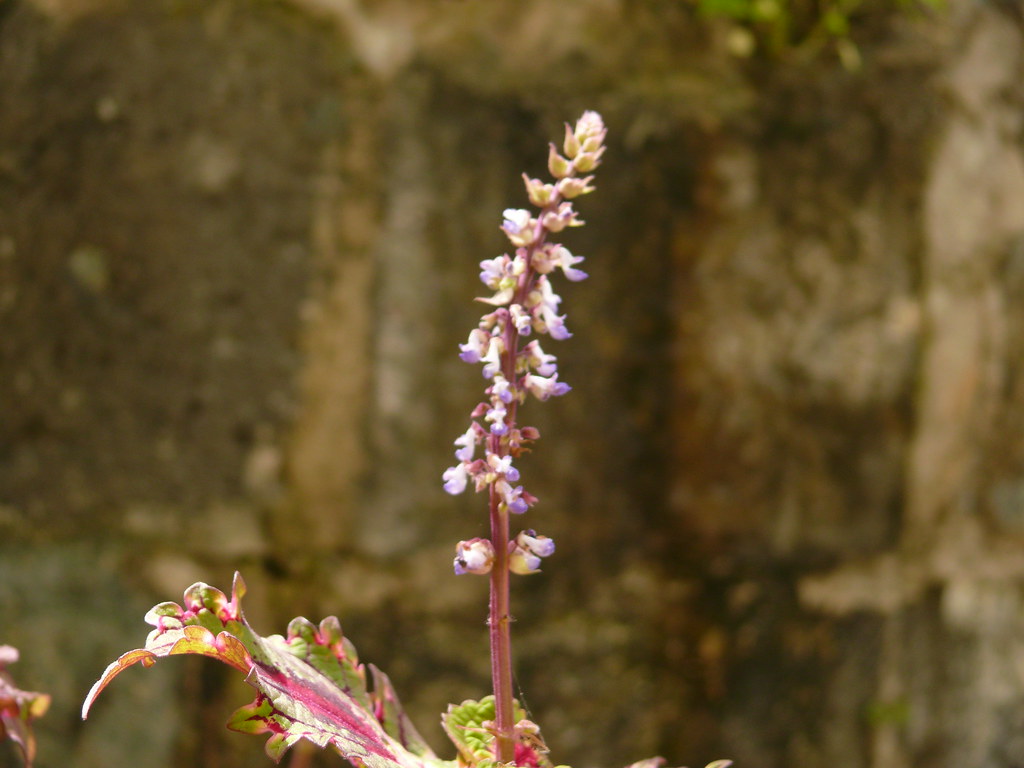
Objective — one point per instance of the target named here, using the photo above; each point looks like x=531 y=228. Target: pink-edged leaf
x=388 y=710
x=173 y=642
x=18 y=709
x=310 y=684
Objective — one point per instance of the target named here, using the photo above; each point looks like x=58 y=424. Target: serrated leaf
x=464 y=725
x=470 y=727
x=18 y=709
x=310 y=684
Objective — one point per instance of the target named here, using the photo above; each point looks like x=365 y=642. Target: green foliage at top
x=777 y=28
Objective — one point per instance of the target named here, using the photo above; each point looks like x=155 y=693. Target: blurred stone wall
x=238 y=247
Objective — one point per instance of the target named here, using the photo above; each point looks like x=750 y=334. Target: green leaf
x=18 y=709
x=470 y=726
x=464 y=724
x=310 y=684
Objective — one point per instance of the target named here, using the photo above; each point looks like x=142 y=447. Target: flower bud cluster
x=525 y=552
x=523 y=302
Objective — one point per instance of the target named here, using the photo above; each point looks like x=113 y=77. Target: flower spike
x=526 y=303
x=523 y=303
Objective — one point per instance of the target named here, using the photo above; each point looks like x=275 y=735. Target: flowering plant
x=310 y=684
x=524 y=303
x=18 y=708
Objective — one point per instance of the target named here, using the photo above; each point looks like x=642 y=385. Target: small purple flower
x=545 y=303
x=455 y=479
x=517 y=226
x=467 y=442
x=474 y=349
x=518 y=505
x=521 y=319
x=546 y=296
x=496 y=416
x=502 y=465
x=535 y=357
x=555 y=325
x=474 y=556
x=502 y=389
x=513 y=497
x=526 y=551
x=541 y=546
x=566 y=261
x=492 y=358
x=492 y=270
x=543 y=387
x=499 y=274
x=522 y=561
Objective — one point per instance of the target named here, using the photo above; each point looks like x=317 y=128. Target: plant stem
x=500 y=618
x=501 y=635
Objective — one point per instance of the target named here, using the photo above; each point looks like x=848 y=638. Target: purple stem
x=501 y=635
